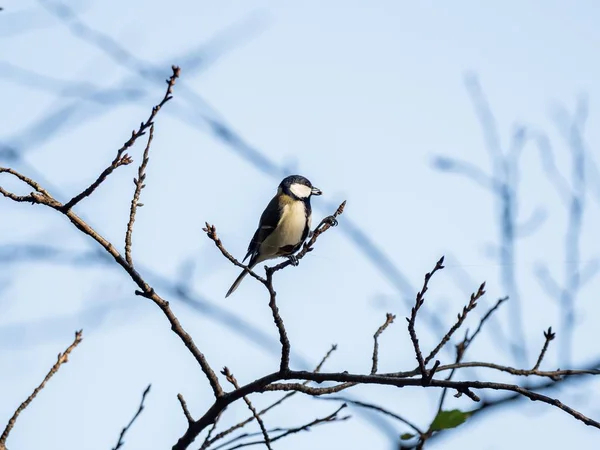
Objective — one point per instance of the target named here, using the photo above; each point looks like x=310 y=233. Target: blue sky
x=357 y=96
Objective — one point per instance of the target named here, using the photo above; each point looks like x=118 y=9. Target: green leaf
x=448 y=419
x=406 y=436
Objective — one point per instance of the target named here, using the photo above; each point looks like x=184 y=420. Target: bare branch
x=33 y=198
x=413 y=316
x=139 y=185
x=122 y=158
x=378 y=409
x=389 y=318
x=211 y=232
x=136 y=415
x=184 y=407
x=145 y=289
x=549 y=336
x=333 y=417
x=485 y=317
x=62 y=359
x=233 y=381
x=461 y=318
x=243 y=423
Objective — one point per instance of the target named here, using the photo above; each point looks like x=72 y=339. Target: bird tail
x=238 y=280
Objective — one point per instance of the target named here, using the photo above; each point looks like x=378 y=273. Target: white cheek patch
x=300 y=190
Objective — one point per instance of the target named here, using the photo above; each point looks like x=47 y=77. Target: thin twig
x=329 y=418
x=485 y=317
x=184 y=407
x=122 y=158
x=243 y=423
x=62 y=359
x=420 y=299
x=22 y=198
x=207 y=440
x=283 y=337
x=549 y=336
x=139 y=185
x=211 y=232
x=460 y=319
x=376 y=408
x=145 y=289
x=389 y=318
x=120 y=442
x=232 y=380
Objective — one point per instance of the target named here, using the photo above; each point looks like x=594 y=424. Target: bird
x=283 y=226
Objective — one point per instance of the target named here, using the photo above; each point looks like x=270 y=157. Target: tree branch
x=122 y=158
x=549 y=336
x=139 y=185
x=420 y=299
x=389 y=319
x=62 y=359
x=261 y=424
x=136 y=415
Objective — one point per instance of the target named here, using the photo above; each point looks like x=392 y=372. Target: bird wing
x=267 y=224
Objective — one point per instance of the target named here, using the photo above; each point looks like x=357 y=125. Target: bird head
x=299 y=187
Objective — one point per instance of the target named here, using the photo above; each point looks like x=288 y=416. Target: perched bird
x=284 y=224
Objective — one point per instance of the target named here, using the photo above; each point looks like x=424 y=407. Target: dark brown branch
x=283 y=337
x=549 y=336
x=389 y=318
x=243 y=423
x=122 y=158
x=63 y=358
x=461 y=348
x=139 y=185
x=485 y=317
x=207 y=440
x=460 y=319
x=420 y=299
x=136 y=415
x=378 y=409
x=286 y=432
x=145 y=290
x=346 y=380
x=511 y=370
x=232 y=380
x=184 y=407
x=211 y=232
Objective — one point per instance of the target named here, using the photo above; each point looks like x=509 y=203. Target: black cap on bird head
x=299 y=187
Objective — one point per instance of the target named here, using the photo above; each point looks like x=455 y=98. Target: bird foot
x=331 y=221
x=293 y=259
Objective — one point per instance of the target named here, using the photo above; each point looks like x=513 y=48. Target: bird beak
x=315 y=191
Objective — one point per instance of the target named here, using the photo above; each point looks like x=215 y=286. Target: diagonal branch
x=62 y=359
x=233 y=381
x=333 y=417
x=208 y=441
x=122 y=158
x=461 y=318
x=145 y=290
x=133 y=419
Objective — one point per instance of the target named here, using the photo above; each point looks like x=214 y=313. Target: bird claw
x=331 y=220
x=293 y=259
